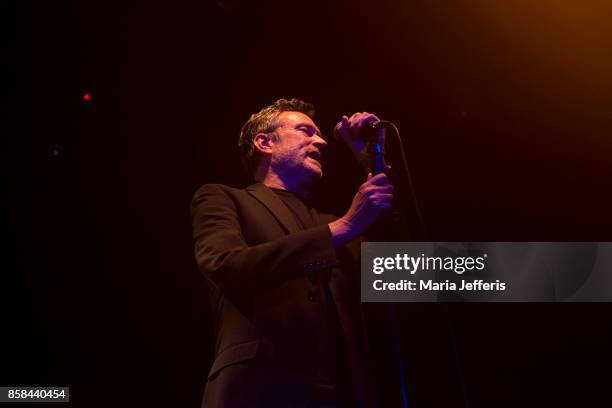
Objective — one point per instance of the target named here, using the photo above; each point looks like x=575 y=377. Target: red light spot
x=86 y=96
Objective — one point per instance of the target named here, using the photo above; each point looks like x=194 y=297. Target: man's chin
x=317 y=172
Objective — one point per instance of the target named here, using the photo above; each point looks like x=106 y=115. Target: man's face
x=296 y=152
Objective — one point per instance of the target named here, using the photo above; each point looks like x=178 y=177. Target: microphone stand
x=376 y=165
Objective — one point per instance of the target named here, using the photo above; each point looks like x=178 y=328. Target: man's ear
x=263 y=142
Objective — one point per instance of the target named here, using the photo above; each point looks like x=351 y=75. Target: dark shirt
x=331 y=377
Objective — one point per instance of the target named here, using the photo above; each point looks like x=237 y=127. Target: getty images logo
x=412 y=264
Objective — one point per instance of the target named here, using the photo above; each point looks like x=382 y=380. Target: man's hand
x=349 y=128
x=374 y=197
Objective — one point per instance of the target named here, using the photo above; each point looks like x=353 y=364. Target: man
x=284 y=284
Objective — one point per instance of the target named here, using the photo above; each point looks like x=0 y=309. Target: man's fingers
x=380 y=179
x=351 y=127
x=345 y=122
x=374 y=191
x=384 y=201
x=387 y=189
x=342 y=130
x=379 y=184
x=370 y=117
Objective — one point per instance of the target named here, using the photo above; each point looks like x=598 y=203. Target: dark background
x=504 y=109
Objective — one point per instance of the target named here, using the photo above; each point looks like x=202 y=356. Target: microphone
x=381 y=124
x=374 y=161
x=366 y=133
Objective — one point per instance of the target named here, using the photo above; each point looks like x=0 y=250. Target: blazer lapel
x=278 y=209
x=316 y=217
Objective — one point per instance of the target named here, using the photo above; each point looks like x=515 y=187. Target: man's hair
x=265 y=121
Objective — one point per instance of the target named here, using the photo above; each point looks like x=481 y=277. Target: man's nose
x=319 y=142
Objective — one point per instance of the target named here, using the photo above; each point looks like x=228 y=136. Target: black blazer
x=257 y=263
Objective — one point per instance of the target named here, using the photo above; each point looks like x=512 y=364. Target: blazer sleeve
x=223 y=255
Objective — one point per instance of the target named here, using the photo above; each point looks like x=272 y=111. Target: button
x=312 y=296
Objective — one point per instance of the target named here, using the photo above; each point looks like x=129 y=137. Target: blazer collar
x=276 y=206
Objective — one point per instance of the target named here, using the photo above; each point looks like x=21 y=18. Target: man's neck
x=274 y=181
